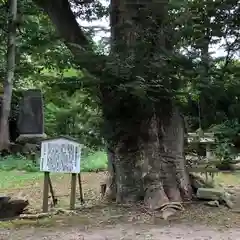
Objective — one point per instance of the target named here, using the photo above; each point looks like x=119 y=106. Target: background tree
x=8 y=81
x=43 y=61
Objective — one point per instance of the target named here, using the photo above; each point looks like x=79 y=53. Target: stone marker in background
x=31 y=119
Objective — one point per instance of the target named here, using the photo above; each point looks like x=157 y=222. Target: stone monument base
x=31 y=138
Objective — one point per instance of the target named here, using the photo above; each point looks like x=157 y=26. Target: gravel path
x=124 y=232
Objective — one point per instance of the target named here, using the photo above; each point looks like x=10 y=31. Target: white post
x=209 y=153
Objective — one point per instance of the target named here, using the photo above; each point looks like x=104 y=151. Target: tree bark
x=150 y=165
x=8 y=82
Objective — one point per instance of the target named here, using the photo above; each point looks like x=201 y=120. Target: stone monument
x=31 y=117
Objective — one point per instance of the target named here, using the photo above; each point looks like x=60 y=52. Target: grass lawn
x=16 y=179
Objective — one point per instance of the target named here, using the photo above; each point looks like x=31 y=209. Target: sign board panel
x=60 y=155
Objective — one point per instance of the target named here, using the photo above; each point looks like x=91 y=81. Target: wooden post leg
x=73 y=191
x=52 y=192
x=45 y=192
x=80 y=188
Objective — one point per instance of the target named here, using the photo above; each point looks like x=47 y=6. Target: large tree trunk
x=147 y=160
x=149 y=164
x=8 y=82
x=166 y=178
x=147 y=153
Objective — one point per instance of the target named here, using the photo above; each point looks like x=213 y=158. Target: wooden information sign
x=60 y=155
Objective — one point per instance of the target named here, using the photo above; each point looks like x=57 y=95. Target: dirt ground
x=96 y=220
x=126 y=232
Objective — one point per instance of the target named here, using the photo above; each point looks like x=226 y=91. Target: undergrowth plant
x=93 y=161
x=226 y=134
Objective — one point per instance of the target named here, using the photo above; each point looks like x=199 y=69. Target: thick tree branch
x=62 y=17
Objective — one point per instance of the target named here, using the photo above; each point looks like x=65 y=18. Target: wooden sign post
x=60 y=155
x=45 y=192
x=73 y=191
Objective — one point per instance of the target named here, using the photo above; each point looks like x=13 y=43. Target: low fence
x=208 y=164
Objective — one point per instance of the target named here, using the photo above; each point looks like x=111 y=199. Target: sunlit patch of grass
x=94 y=162
x=20 y=163
x=228 y=178
x=16 y=179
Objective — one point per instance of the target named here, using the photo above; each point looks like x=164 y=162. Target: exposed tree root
x=169 y=204
x=151 y=166
x=171 y=209
x=35 y=216
x=65 y=211
x=59 y=211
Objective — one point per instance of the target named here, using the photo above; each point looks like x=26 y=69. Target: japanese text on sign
x=60 y=155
